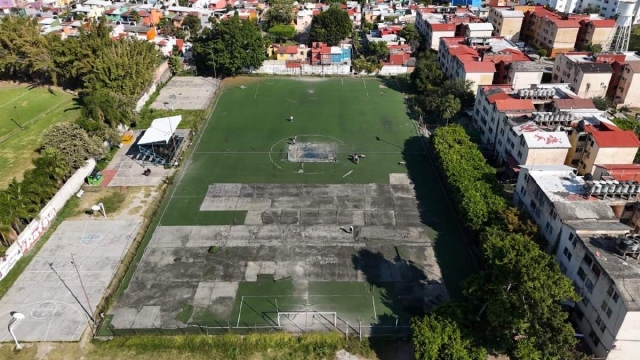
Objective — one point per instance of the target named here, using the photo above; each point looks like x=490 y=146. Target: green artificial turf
x=35 y=109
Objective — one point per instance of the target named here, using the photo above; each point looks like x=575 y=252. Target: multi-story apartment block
x=506 y=22
x=586 y=77
x=593 y=248
x=484 y=61
x=435 y=22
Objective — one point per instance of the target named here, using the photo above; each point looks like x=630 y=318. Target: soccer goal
x=307 y=319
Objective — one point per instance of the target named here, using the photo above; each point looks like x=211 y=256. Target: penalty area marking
x=256 y=94
x=375 y=315
x=240 y=312
x=291 y=100
x=297 y=136
x=347 y=174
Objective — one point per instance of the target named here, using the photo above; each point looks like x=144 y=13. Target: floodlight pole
x=90 y=309
x=15 y=109
x=17 y=317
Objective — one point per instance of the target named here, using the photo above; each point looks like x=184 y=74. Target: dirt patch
x=241 y=80
x=133 y=204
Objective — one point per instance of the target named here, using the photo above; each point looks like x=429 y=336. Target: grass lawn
x=35 y=109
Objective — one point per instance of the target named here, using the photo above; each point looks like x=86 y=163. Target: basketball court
x=50 y=292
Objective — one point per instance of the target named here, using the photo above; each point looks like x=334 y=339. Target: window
x=563 y=269
x=596 y=270
x=594 y=338
x=579 y=314
x=615 y=297
x=549 y=228
x=579 y=149
x=605 y=307
x=582 y=137
x=519 y=154
x=554 y=215
x=600 y=324
x=589 y=285
x=533 y=205
x=581 y=274
x=567 y=253
x=526 y=178
x=588 y=260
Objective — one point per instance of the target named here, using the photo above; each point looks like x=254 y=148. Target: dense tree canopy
x=437 y=338
x=280 y=12
x=411 y=35
x=331 y=26
x=230 y=46
x=513 y=304
x=192 y=25
x=73 y=143
x=282 y=32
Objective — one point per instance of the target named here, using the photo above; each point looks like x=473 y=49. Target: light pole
x=90 y=309
x=15 y=109
x=17 y=318
x=213 y=59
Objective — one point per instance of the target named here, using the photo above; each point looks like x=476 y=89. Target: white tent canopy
x=160 y=130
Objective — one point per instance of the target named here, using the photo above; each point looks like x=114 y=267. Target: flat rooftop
x=624 y=272
x=566 y=190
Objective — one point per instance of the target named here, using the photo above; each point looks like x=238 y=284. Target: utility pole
x=213 y=59
x=90 y=309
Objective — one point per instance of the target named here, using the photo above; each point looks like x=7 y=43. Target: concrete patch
x=186 y=92
x=399 y=178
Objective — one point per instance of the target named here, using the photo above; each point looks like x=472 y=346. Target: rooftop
x=610 y=136
x=621 y=172
x=547 y=140
x=595 y=68
x=528 y=66
x=480 y=26
x=507 y=13
x=566 y=191
x=625 y=272
x=573 y=103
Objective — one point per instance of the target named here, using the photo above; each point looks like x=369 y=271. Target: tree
x=175 y=64
x=230 y=46
x=134 y=16
x=282 y=32
x=602 y=103
x=193 y=25
x=280 y=12
x=107 y=107
x=378 y=51
x=542 y=52
x=520 y=292
x=331 y=26
x=460 y=89
x=448 y=107
x=73 y=143
x=361 y=64
x=411 y=35
x=437 y=338
x=427 y=76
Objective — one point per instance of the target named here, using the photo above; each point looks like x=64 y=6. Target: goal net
x=307 y=320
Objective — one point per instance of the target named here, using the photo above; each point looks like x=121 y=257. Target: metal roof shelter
x=159 y=144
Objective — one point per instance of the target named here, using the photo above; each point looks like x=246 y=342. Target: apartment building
x=594 y=31
x=627 y=90
x=435 y=23
x=593 y=248
x=522 y=74
x=484 y=61
x=506 y=22
x=587 y=77
x=599 y=141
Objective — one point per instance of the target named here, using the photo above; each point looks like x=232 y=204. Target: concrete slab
x=49 y=292
x=186 y=93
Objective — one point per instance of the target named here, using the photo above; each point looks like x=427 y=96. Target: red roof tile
x=613 y=137
x=576 y=103
x=442 y=27
x=609 y=23
x=478 y=67
x=623 y=172
x=498 y=96
x=515 y=104
x=288 y=50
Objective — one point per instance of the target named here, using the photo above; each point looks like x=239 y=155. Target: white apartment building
x=602 y=262
x=605 y=8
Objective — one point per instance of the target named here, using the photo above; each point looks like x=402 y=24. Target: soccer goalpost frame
x=315 y=315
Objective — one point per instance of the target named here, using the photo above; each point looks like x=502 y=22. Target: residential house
x=303 y=20
x=506 y=22
x=90 y=12
x=140 y=32
x=48 y=25
x=292 y=53
x=322 y=54
x=477 y=30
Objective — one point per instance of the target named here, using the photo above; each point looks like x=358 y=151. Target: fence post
x=347 y=330
x=181 y=329
x=201 y=328
x=360 y=329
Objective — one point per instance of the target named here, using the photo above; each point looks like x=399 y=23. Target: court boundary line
x=190 y=159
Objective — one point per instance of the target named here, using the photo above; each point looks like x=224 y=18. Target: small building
x=594 y=32
x=322 y=54
x=587 y=77
x=303 y=21
x=523 y=74
x=292 y=53
x=435 y=23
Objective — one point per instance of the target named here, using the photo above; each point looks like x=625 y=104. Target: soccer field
x=259 y=233
x=34 y=109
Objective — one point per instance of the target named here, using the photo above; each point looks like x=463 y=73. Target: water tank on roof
x=605 y=187
x=632 y=188
x=521 y=93
x=612 y=186
x=547 y=117
x=619 y=188
x=597 y=187
x=588 y=186
x=625 y=188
